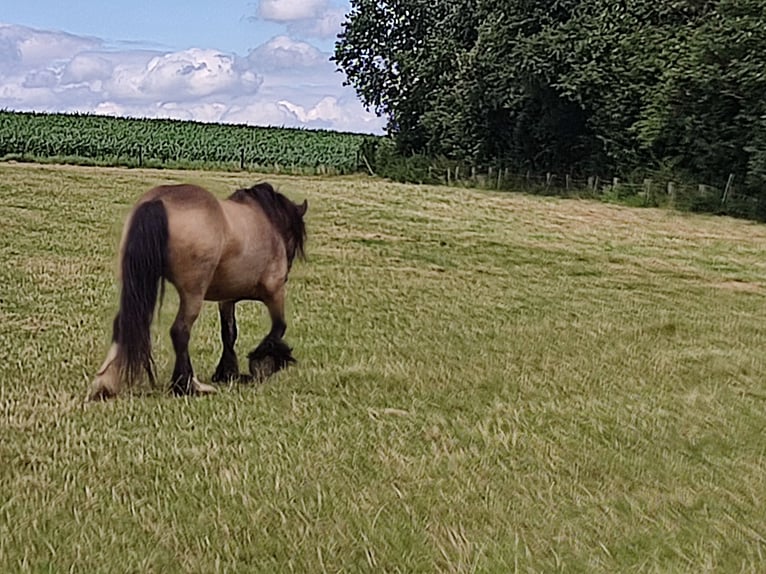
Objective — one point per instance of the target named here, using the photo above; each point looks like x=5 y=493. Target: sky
x=264 y=62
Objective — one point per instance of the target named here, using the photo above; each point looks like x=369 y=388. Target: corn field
x=85 y=138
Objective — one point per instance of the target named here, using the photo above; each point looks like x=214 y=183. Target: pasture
x=486 y=382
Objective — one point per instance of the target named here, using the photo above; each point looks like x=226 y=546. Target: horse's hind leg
x=106 y=383
x=272 y=354
x=184 y=382
x=228 y=366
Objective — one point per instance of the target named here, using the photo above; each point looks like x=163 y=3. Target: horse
x=239 y=248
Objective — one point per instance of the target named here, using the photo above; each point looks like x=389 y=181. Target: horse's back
x=197 y=229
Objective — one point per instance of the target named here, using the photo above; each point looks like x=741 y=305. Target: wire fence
x=660 y=191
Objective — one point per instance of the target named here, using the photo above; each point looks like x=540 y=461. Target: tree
x=456 y=78
x=706 y=110
x=567 y=85
x=385 y=52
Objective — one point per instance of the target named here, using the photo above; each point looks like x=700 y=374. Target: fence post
x=727 y=192
x=672 y=193
x=648 y=192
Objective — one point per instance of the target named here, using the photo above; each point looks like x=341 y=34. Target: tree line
x=624 y=87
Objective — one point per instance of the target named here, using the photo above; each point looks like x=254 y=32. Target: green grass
x=487 y=382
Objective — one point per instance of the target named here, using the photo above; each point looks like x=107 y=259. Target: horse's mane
x=281 y=212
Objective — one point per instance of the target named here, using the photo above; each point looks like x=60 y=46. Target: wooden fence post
x=727 y=192
x=648 y=192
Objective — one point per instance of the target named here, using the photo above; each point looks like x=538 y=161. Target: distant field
x=487 y=382
x=102 y=140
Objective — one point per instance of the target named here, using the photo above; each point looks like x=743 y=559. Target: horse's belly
x=233 y=284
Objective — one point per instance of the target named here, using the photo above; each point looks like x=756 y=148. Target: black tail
x=144 y=263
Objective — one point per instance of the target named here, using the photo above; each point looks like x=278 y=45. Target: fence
x=649 y=192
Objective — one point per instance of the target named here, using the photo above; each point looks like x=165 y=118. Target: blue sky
x=263 y=62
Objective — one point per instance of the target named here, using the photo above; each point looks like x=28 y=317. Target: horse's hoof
x=103 y=388
x=192 y=387
x=271 y=356
x=202 y=388
x=226 y=373
x=100 y=394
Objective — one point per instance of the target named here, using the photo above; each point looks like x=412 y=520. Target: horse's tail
x=143 y=267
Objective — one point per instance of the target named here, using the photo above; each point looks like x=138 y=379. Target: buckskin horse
x=239 y=248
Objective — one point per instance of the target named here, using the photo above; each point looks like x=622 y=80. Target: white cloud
x=187 y=75
x=290 y=10
x=200 y=112
x=326 y=109
x=283 y=53
x=262 y=113
x=31 y=47
x=281 y=82
x=40 y=79
x=326 y=25
x=328 y=113
x=86 y=68
x=305 y=18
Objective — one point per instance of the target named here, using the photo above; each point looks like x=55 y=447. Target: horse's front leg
x=272 y=354
x=184 y=382
x=228 y=367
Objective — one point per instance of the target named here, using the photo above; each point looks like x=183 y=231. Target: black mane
x=283 y=214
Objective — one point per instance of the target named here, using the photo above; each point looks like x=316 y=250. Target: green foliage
x=569 y=86
x=120 y=141
x=706 y=109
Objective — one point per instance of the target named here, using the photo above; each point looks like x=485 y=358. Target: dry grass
x=487 y=382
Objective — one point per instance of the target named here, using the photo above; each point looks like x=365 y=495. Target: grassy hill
x=487 y=382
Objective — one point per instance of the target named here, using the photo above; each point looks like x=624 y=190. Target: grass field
x=487 y=382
